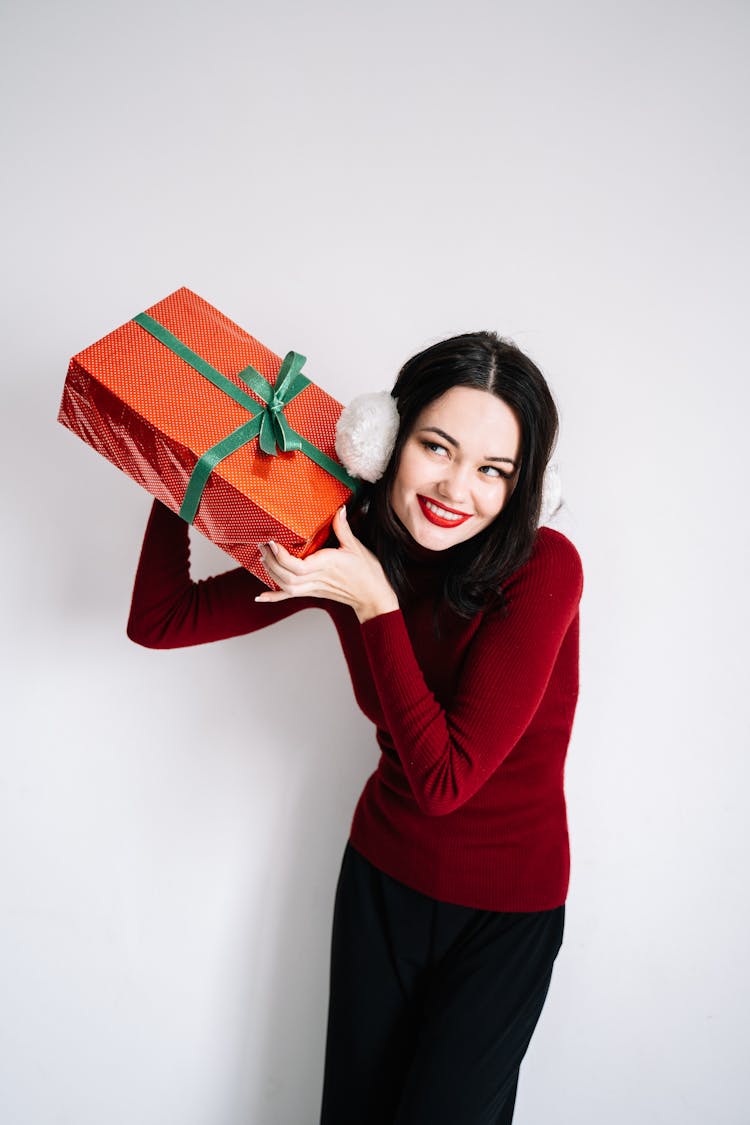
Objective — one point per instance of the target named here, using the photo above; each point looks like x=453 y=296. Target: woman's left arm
x=448 y=755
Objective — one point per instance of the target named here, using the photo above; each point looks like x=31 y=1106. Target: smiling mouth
x=442 y=517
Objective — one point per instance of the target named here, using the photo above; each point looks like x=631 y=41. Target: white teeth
x=442 y=512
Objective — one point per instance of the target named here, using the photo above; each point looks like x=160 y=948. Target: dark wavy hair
x=473 y=571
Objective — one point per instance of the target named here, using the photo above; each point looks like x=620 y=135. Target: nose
x=454 y=484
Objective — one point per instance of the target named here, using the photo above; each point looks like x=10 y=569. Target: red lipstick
x=433 y=517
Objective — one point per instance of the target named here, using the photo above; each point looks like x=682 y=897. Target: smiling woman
x=458 y=617
x=478 y=425
x=450 y=480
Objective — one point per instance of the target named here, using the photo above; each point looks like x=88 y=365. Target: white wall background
x=355 y=181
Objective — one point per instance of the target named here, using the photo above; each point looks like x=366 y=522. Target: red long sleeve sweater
x=467 y=802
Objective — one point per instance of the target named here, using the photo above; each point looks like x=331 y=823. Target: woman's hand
x=350 y=574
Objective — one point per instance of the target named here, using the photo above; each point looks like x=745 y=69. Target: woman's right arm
x=170 y=610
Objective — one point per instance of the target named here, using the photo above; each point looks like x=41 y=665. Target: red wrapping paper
x=150 y=413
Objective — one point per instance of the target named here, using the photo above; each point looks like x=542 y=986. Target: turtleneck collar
x=415 y=552
x=422 y=559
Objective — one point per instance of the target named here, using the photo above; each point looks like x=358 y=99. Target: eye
x=434 y=446
x=492 y=470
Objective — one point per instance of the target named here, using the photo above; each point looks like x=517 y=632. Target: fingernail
x=272 y=545
x=343 y=511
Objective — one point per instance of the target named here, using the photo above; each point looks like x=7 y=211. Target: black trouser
x=432 y=1006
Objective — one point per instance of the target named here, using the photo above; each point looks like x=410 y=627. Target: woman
x=458 y=618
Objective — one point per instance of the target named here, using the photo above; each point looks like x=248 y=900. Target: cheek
x=407 y=475
x=491 y=506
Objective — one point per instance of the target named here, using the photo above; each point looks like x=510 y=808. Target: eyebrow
x=452 y=440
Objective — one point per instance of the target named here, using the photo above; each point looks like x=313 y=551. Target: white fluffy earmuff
x=366 y=433
x=551 y=492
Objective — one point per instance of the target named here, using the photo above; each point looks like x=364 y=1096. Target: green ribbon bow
x=267 y=423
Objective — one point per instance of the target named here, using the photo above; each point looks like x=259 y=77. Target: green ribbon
x=267 y=423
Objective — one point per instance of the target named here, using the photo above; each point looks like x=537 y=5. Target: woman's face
x=457 y=468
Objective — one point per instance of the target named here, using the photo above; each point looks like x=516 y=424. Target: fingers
x=342 y=530
x=281 y=559
x=275 y=564
x=293 y=575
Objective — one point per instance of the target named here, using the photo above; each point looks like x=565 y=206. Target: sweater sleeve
x=448 y=755
x=170 y=610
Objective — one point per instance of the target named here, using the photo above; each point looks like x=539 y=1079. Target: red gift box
x=215 y=425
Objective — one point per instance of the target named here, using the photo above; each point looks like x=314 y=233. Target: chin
x=437 y=542
x=438 y=538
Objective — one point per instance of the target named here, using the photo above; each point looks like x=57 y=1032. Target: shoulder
x=558 y=552
x=554 y=568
